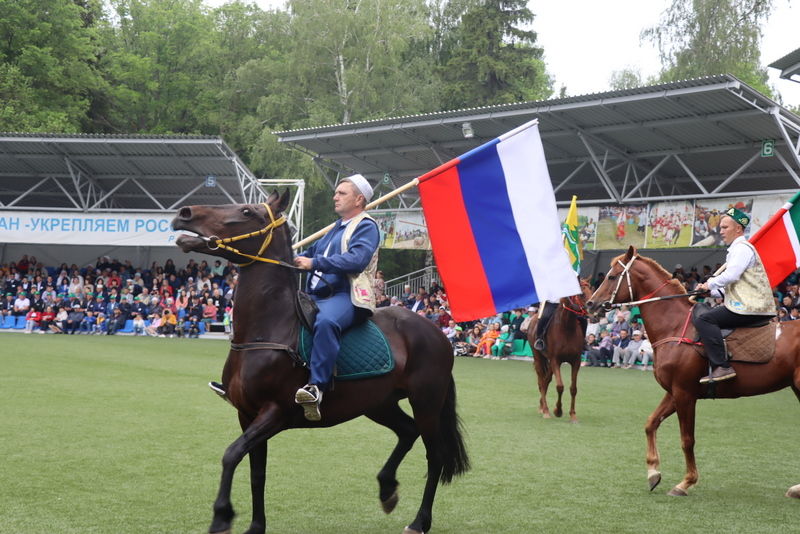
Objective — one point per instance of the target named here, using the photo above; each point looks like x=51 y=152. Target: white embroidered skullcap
x=361 y=184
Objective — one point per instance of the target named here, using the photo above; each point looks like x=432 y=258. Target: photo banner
x=72 y=228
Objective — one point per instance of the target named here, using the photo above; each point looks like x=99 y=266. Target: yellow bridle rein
x=221 y=243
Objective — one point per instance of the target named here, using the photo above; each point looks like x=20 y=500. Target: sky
x=585 y=41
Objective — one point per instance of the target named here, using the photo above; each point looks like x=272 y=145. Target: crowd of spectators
x=159 y=300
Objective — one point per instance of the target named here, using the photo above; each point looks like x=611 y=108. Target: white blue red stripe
x=494 y=228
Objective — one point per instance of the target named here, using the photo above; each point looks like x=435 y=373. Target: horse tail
x=455 y=460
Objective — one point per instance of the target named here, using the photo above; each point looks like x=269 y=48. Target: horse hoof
x=654 y=479
x=545 y=415
x=409 y=530
x=677 y=492
x=559 y=413
x=389 y=504
x=794 y=492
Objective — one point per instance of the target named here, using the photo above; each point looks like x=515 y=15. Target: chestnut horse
x=262 y=374
x=678 y=365
x=565 y=340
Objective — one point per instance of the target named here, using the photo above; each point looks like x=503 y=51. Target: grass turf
x=121 y=435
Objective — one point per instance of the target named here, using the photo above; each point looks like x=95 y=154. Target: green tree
x=625 y=79
x=492 y=60
x=705 y=37
x=160 y=65
x=48 y=71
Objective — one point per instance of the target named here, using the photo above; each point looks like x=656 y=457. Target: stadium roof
x=712 y=136
x=120 y=172
x=789 y=65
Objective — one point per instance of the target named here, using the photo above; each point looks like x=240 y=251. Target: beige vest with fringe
x=362 y=292
x=751 y=294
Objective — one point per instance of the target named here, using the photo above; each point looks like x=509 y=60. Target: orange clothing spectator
x=487 y=340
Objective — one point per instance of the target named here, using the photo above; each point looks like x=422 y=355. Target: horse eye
x=246 y=212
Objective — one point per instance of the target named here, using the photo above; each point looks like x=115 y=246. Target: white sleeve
x=740 y=257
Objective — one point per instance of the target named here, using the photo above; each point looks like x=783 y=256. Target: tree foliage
x=705 y=37
x=48 y=64
x=491 y=59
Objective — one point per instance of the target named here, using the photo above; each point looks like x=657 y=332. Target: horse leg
x=556 y=365
x=394 y=418
x=265 y=425
x=685 y=404
x=573 y=390
x=664 y=409
x=258 y=480
x=544 y=375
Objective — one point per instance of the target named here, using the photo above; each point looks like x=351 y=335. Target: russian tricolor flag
x=494 y=228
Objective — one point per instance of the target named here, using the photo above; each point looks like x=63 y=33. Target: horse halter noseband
x=268 y=229
x=626 y=272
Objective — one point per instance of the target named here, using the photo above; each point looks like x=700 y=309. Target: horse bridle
x=268 y=229
x=626 y=272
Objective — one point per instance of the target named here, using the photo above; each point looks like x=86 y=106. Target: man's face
x=729 y=229
x=623 y=334
x=345 y=199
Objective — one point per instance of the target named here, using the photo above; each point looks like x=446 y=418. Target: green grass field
x=121 y=435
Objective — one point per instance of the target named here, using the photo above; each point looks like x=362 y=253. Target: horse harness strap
x=580 y=312
x=297 y=360
x=221 y=243
x=682 y=338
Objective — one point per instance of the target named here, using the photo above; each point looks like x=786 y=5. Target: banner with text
x=70 y=228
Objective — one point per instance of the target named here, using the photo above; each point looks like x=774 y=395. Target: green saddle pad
x=364 y=352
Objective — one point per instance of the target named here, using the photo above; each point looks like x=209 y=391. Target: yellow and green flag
x=572 y=240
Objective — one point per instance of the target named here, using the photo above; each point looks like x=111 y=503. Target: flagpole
x=415 y=182
x=316 y=235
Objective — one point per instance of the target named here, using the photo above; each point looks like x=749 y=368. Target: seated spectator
x=473 y=339
x=138 y=324
x=487 y=340
x=48 y=316
x=155 y=323
x=209 y=313
x=115 y=322
x=88 y=323
x=168 y=322
x=22 y=305
x=450 y=331
x=606 y=347
x=74 y=318
x=32 y=320
x=646 y=354
x=60 y=321
x=101 y=324
x=501 y=347
x=194 y=327
x=592 y=351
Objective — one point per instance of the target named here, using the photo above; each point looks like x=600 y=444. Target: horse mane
x=673 y=282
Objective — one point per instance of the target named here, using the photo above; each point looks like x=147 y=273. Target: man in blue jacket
x=343 y=264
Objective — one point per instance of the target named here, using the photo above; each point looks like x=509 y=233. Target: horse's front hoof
x=389 y=504
x=677 y=492
x=409 y=530
x=653 y=478
x=558 y=412
x=546 y=415
x=794 y=492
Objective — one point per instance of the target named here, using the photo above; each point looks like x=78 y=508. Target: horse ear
x=272 y=196
x=631 y=252
x=283 y=203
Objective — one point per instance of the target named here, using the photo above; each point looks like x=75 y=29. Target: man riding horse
x=744 y=285
x=344 y=262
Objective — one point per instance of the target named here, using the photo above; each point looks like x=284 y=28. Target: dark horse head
x=236 y=232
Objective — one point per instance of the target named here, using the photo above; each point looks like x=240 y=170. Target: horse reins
x=626 y=268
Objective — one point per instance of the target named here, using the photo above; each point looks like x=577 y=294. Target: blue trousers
x=336 y=314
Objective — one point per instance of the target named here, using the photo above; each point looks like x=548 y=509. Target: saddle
x=753 y=344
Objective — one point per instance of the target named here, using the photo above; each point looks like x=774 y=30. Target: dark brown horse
x=678 y=365
x=565 y=337
x=261 y=378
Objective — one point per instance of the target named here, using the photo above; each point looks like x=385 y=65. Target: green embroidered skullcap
x=739 y=216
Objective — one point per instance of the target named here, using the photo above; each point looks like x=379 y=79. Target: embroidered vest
x=751 y=294
x=362 y=290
